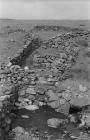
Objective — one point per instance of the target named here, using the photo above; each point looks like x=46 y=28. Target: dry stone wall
x=32 y=88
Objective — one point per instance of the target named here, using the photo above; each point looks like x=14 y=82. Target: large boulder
x=80 y=101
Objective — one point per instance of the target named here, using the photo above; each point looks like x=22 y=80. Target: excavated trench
x=36 y=123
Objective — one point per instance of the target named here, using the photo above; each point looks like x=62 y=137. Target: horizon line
x=40 y=19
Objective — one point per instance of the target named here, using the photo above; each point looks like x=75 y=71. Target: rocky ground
x=47 y=83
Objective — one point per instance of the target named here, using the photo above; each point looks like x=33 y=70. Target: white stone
x=26 y=100
x=25 y=116
x=4 y=97
x=31 y=107
x=54 y=122
x=9 y=64
x=41 y=103
x=26 y=68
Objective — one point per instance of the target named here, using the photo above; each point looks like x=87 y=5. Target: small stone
x=6 y=89
x=9 y=64
x=42 y=80
x=57 y=84
x=31 y=97
x=22 y=92
x=17 y=104
x=66 y=96
x=53 y=98
x=82 y=88
x=19 y=129
x=54 y=122
x=1 y=105
x=36 y=102
x=41 y=103
x=26 y=68
x=4 y=97
x=25 y=116
x=40 y=91
x=64 y=108
x=54 y=104
x=20 y=99
x=51 y=80
x=51 y=95
x=25 y=80
x=30 y=102
x=72 y=118
x=1 y=93
x=62 y=101
x=31 y=107
x=14 y=68
x=8 y=120
x=33 y=83
x=26 y=100
x=86 y=119
x=30 y=91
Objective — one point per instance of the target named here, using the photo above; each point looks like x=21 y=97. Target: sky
x=45 y=9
